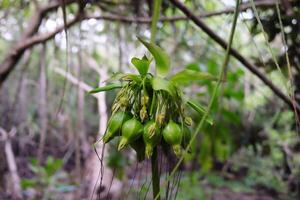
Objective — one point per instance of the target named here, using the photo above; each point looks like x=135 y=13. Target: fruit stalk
x=155 y=175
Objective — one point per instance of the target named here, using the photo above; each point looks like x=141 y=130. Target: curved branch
x=147 y=20
x=17 y=50
x=236 y=54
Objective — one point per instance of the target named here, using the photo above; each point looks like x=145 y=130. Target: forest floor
x=192 y=186
x=227 y=194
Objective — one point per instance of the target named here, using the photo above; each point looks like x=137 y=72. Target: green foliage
x=142 y=65
x=200 y=110
x=47 y=178
x=105 y=88
x=185 y=76
x=151 y=98
x=162 y=60
x=162 y=84
x=5 y=4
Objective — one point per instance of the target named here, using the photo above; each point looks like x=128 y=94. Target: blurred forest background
x=52 y=52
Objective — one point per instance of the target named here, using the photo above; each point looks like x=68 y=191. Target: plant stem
x=154 y=161
x=155 y=16
x=155 y=175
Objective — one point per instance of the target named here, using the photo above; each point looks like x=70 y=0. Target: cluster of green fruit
x=145 y=118
x=149 y=110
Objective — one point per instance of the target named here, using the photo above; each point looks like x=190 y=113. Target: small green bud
x=115 y=107
x=145 y=100
x=151 y=136
x=143 y=113
x=160 y=119
x=152 y=129
x=188 y=121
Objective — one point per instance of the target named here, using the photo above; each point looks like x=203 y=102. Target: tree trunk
x=79 y=133
x=14 y=186
x=42 y=103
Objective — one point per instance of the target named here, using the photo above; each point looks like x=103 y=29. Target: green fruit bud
x=173 y=136
x=151 y=136
x=188 y=121
x=114 y=125
x=131 y=130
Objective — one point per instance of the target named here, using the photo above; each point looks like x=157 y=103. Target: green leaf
x=52 y=165
x=34 y=161
x=201 y=110
x=193 y=66
x=162 y=84
x=28 y=183
x=188 y=75
x=105 y=88
x=162 y=60
x=142 y=65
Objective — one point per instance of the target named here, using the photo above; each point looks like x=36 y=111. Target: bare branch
x=74 y=80
x=147 y=20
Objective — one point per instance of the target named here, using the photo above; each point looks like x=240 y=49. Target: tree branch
x=236 y=54
x=16 y=52
x=147 y=20
x=28 y=39
x=84 y=86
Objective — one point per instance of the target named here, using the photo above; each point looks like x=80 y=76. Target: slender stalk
x=155 y=16
x=289 y=86
x=155 y=174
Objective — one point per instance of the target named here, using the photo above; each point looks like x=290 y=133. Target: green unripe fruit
x=131 y=130
x=139 y=147
x=151 y=136
x=186 y=137
x=114 y=125
x=173 y=136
